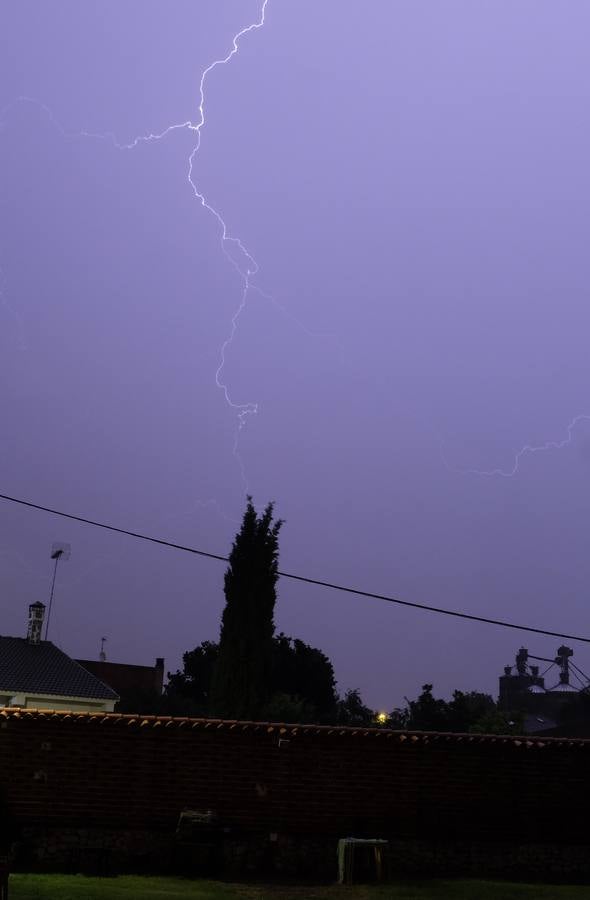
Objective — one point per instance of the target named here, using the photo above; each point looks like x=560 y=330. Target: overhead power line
x=301 y=578
x=583 y=674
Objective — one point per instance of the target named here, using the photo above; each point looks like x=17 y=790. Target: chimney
x=159 y=675
x=36 y=616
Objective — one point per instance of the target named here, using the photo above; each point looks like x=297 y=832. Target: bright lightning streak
x=242 y=261
x=527 y=450
x=249 y=266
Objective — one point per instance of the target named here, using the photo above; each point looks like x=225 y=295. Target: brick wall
x=132 y=771
x=124 y=772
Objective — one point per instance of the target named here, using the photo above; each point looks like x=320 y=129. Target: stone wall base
x=102 y=851
x=535 y=862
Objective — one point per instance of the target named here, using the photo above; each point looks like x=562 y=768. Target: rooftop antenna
x=102 y=655
x=58 y=551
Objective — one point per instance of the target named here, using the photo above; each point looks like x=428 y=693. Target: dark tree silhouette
x=427 y=713
x=352 y=711
x=498 y=721
x=466 y=709
x=470 y=711
x=241 y=685
x=302 y=683
x=191 y=688
x=305 y=674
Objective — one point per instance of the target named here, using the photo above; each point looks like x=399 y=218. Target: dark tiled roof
x=278 y=729
x=44 y=669
x=537 y=724
x=125 y=678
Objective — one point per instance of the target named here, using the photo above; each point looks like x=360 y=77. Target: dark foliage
x=241 y=681
x=469 y=711
x=189 y=690
x=140 y=701
x=304 y=672
x=352 y=711
x=573 y=714
x=427 y=713
x=302 y=686
x=498 y=721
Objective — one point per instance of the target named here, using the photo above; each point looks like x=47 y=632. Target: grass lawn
x=125 y=887
x=130 y=887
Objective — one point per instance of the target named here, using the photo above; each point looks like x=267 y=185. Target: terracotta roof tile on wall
x=284 y=729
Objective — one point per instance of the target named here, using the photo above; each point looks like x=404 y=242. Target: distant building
x=546 y=709
x=37 y=674
x=138 y=687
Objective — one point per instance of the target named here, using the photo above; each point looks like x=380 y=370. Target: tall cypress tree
x=242 y=677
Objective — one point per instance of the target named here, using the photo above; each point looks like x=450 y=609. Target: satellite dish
x=60 y=551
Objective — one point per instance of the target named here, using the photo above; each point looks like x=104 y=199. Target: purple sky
x=412 y=180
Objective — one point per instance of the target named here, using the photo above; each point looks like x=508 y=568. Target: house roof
x=561 y=688
x=45 y=669
x=124 y=678
x=282 y=729
x=535 y=723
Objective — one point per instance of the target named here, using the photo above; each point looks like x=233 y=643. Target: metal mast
x=58 y=551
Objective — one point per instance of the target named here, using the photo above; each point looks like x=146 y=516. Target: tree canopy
x=302 y=685
x=191 y=688
x=253 y=673
x=304 y=672
x=470 y=711
x=242 y=674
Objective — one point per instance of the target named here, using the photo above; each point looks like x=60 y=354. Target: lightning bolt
x=527 y=450
x=232 y=246
x=249 y=267
x=245 y=264
x=242 y=261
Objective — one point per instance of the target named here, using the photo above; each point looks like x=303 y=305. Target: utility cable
x=301 y=578
x=547 y=669
x=574 y=666
x=577 y=677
